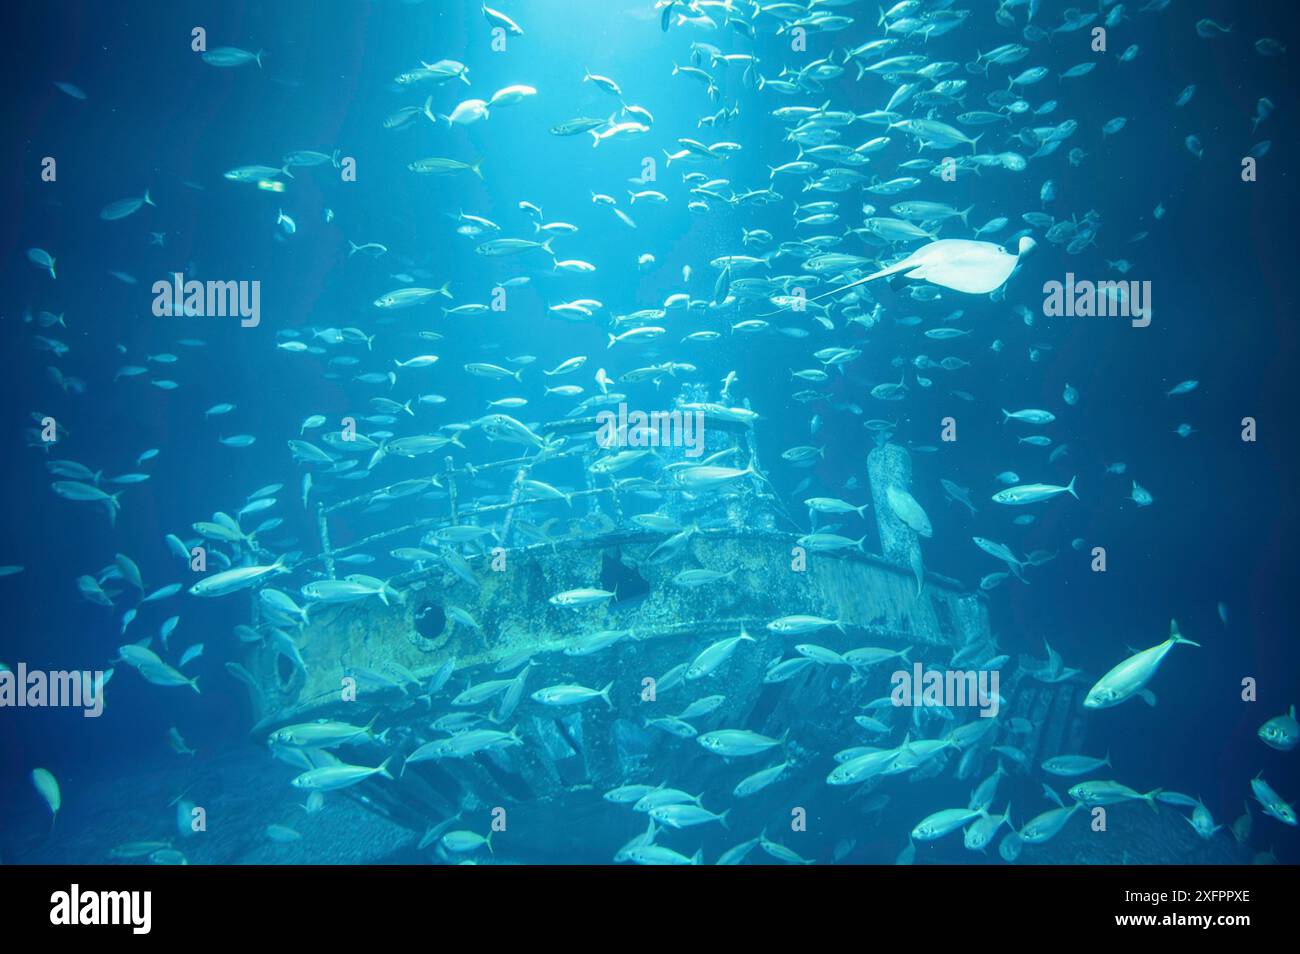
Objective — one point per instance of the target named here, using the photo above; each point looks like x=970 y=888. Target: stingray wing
x=975 y=268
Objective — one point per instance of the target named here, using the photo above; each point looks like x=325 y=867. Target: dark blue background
x=1222 y=263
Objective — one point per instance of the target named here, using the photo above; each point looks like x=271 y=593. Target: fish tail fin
x=194 y=684
x=595 y=138
x=1070 y=488
x=476 y=168
x=962 y=215
x=546 y=246
x=1174 y=634
x=383 y=768
x=148 y=200
x=612 y=339
x=353 y=249
x=1150 y=798
x=604 y=693
x=1006 y=415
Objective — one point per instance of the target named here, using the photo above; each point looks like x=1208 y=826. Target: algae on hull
x=668 y=622
x=886 y=602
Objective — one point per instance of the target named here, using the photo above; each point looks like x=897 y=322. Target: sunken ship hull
x=368 y=659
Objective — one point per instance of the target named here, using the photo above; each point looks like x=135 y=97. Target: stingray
x=964 y=265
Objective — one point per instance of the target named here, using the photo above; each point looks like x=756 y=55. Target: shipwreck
x=366 y=660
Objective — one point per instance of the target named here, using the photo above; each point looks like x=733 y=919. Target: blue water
x=1223 y=524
